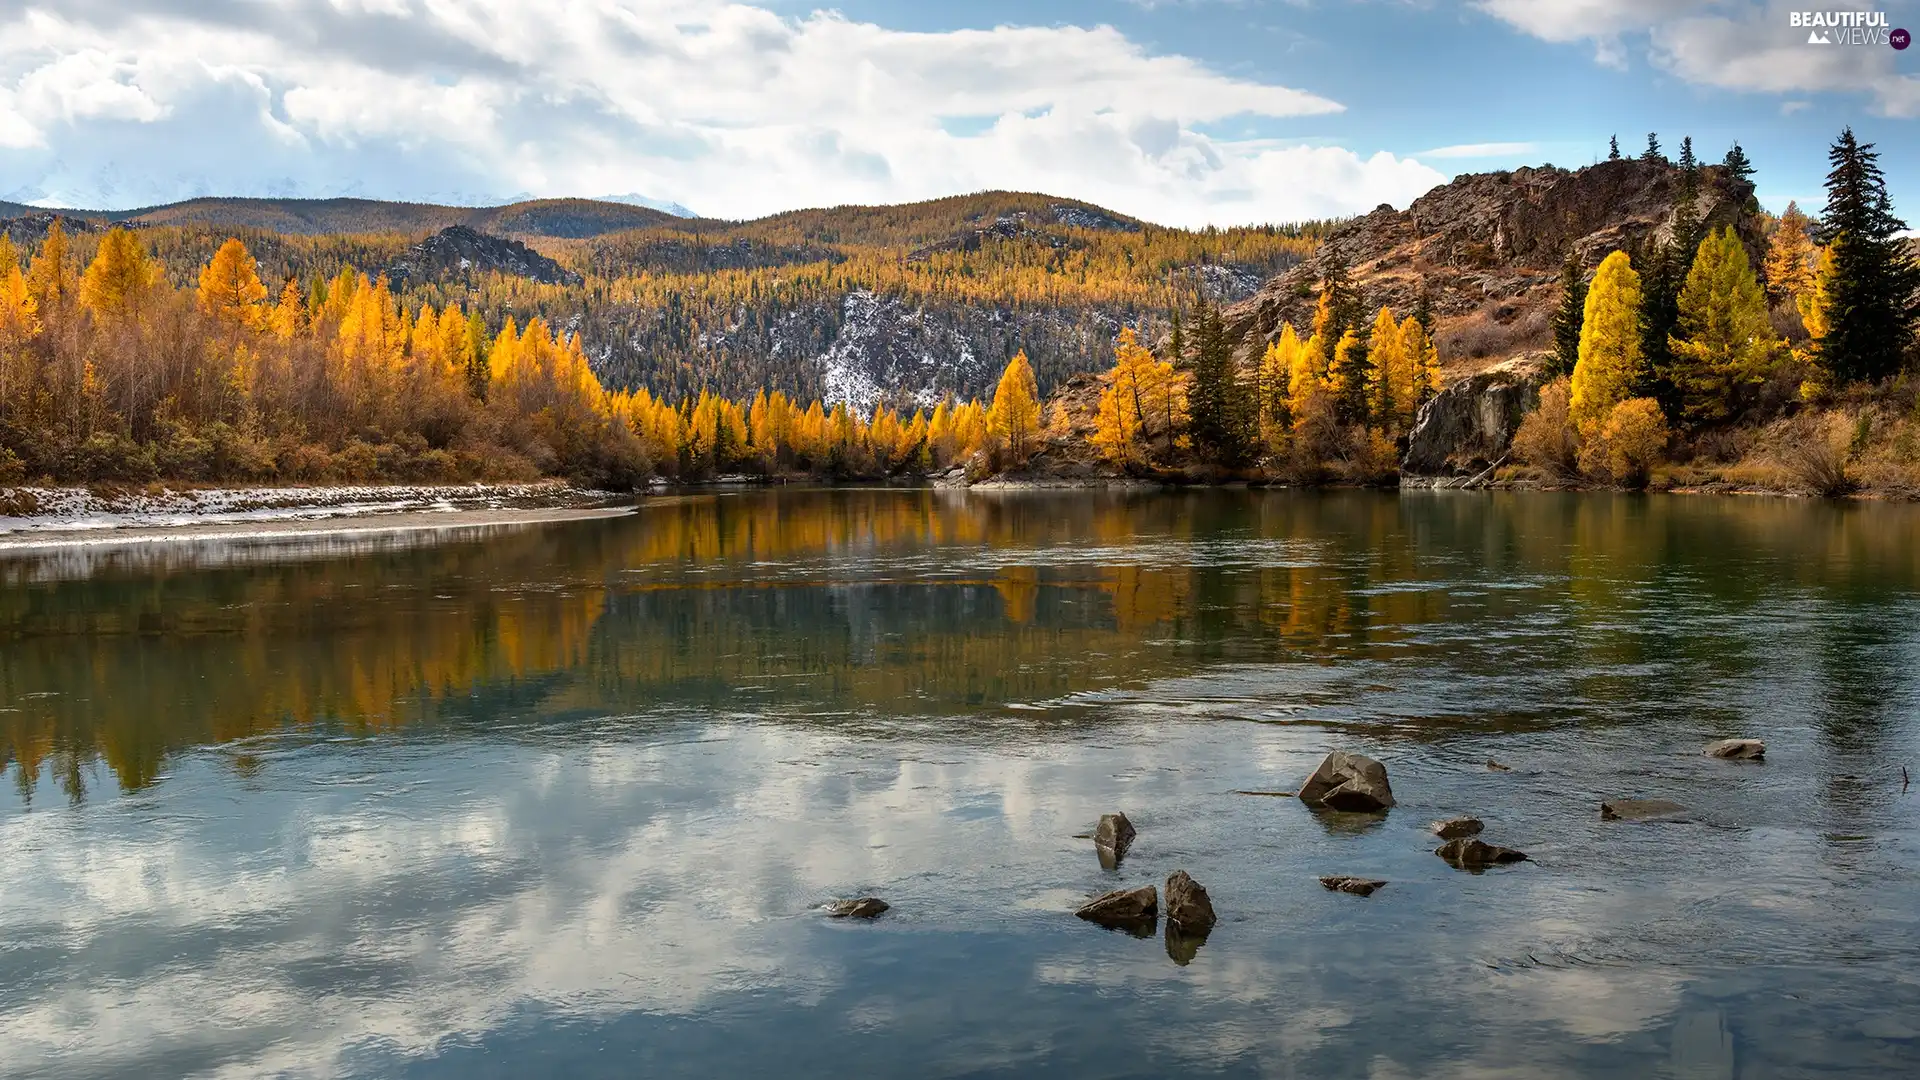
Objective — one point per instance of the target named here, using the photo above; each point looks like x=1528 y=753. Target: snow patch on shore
x=39 y=511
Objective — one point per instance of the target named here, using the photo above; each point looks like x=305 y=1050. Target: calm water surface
x=561 y=801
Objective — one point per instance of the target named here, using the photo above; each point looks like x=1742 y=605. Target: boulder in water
x=1358 y=886
x=1124 y=909
x=1468 y=853
x=1454 y=828
x=1639 y=809
x=1188 y=906
x=867 y=907
x=1112 y=838
x=1737 y=749
x=1351 y=782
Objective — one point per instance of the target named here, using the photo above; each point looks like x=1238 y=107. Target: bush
x=1814 y=455
x=1636 y=435
x=12 y=469
x=1545 y=439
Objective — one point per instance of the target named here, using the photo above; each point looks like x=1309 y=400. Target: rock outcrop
x=1352 y=782
x=461 y=253
x=1357 y=886
x=1639 y=809
x=1468 y=853
x=1471 y=424
x=867 y=907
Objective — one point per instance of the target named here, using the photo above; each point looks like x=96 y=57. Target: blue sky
x=1181 y=111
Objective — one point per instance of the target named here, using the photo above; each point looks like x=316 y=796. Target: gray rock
x=867 y=907
x=1737 y=749
x=1356 y=885
x=1124 y=908
x=1111 y=839
x=1348 y=782
x=1639 y=809
x=1471 y=424
x=1454 y=828
x=1188 y=906
x=1469 y=853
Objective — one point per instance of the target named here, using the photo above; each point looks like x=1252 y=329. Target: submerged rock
x=1454 y=828
x=1351 y=782
x=1188 y=905
x=1124 y=909
x=867 y=907
x=1356 y=885
x=1112 y=838
x=1468 y=853
x=1639 y=809
x=1737 y=749
x=1495 y=766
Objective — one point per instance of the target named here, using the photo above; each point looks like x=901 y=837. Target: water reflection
x=562 y=801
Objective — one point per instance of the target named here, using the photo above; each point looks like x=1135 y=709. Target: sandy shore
x=299 y=528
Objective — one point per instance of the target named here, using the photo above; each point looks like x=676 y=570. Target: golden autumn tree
x=1014 y=421
x=1815 y=306
x=119 y=277
x=50 y=276
x=230 y=287
x=1724 y=345
x=1610 y=354
x=1423 y=358
x=1138 y=401
x=1790 y=257
x=19 y=323
x=1391 y=393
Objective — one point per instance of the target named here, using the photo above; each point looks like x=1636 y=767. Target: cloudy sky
x=1180 y=111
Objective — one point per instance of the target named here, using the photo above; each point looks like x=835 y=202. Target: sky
x=1183 y=112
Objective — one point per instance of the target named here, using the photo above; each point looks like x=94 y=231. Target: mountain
x=560 y=218
x=665 y=206
x=458 y=253
x=1486 y=250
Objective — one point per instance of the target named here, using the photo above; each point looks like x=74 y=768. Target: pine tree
x=1347 y=377
x=1610 y=357
x=1652 y=154
x=1571 y=314
x=1613 y=148
x=1659 y=312
x=1687 y=161
x=1738 y=166
x=1218 y=398
x=1423 y=310
x=1875 y=291
x=1724 y=346
x=1015 y=417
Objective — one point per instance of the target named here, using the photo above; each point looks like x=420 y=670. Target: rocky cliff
x=1486 y=251
x=458 y=253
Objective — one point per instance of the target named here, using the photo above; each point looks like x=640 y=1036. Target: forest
x=138 y=355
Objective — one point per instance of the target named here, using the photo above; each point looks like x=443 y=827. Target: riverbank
x=33 y=517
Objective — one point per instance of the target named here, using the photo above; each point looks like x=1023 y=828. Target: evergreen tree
x=1660 y=278
x=1610 y=356
x=1687 y=160
x=1652 y=154
x=1613 y=148
x=1177 y=341
x=1423 y=311
x=1724 y=345
x=1873 y=307
x=1571 y=315
x=1739 y=168
x=1218 y=399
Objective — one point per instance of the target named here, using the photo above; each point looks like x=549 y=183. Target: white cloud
x=1482 y=150
x=732 y=109
x=1729 y=44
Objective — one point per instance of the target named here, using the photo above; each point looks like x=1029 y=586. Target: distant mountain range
x=572 y=219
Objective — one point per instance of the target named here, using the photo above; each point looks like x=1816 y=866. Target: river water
x=563 y=800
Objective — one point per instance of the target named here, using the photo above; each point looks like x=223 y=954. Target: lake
x=564 y=800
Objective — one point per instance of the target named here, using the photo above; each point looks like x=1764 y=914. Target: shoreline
x=293 y=529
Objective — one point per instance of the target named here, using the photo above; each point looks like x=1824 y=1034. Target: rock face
x=1112 y=839
x=1737 y=749
x=1639 y=809
x=1454 y=828
x=1125 y=909
x=867 y=907
x=1471 y=424
x=1350 y=782
x=1355 y=885
x=1189 y=908
x=1468 y=853
x=459 y=253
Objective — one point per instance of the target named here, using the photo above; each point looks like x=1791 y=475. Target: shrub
x=1814 y=455
x=1636 y=435
x=1545 y=439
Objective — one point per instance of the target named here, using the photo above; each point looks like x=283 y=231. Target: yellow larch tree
x=1791 y=257
x=1610 y=354
x=1423 y=358
x=230 y=287
x=120 y=276
x=1724 y=345
x=1390 y=382
x=1014 y=421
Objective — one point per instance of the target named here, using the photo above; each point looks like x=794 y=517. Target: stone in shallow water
x=1639 y=809
x=1124 y=909
x=1358 y=886
x=867 y=907
x=1351 y=782
x=1737 y=749
x=1454 y=828
x=1188 y=905
x=1112 y=838
x=1469 y=853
